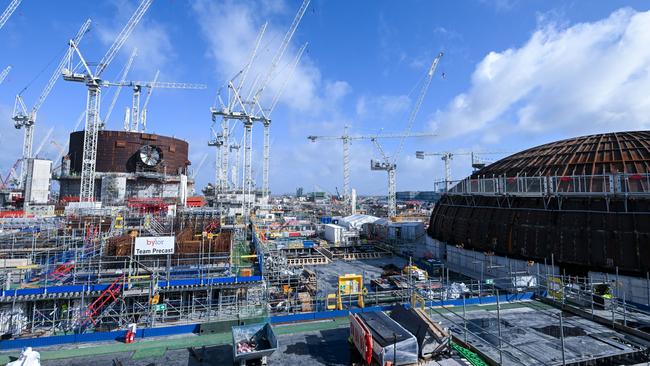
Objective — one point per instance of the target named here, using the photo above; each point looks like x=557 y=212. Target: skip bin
x=253 y=342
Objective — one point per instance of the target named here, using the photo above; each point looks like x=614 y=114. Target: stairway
x=61 y=272
x=106 y=298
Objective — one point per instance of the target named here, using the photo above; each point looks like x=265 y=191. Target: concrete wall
x=479 y=266
x=632 y=289
x=37 y=182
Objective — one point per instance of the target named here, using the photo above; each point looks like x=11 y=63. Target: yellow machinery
x=351 y=285
x=331 y=302
x=418 y=301
x=417 y=273
x=119 y=222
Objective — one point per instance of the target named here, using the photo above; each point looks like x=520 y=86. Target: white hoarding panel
x=154 y=245
x=37 y=181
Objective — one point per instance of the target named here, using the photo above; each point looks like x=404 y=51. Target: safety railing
x=621 y=184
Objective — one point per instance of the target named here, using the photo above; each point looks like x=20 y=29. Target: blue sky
x=517 y=74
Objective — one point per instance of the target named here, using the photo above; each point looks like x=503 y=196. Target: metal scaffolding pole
x=89 y=160
x=267 y=155
x=248 y=167
x=225 y=150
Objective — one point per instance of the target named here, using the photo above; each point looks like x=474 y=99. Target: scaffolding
x=79 y=274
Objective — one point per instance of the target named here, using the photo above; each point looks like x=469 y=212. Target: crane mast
x=94 y=83
x=248 y=111
x=279 y=53
x=143 y=114
x=267 y=125
x=138 y=115
x=389 y=164
x=4 y=73
x=8 y=11
x=347 y=139
x=123 y=74
x=447 y=156
x=24 y=119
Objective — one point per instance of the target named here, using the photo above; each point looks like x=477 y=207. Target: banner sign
x=154 y=245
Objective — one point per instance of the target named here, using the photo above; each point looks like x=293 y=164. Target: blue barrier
x=89 y=288
x=194 y=328
x=164 y=331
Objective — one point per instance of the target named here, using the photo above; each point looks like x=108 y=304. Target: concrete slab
x=327 y=275
x=531 y=335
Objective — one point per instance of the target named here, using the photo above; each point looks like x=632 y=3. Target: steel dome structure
x=585 y=201
x=609 y=153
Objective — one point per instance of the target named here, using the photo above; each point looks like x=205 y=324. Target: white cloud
x=336 y=90
x=155 y=49
x=231 y=28
x=501 y=5
x=589 y=77
x=382 y=105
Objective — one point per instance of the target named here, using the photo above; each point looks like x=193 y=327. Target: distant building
x=318 y=196
x=406 y=195
x=299 y=192
x=130 y=167
x=427 y=196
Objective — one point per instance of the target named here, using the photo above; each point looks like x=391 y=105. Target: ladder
x=106 y=298
x=61 y=271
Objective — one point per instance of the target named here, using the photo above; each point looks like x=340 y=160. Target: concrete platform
x=371 y=268
x=531 y=336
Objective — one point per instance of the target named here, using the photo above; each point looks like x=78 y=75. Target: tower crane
x=62 y=154
x=198 y=167
x=80 y=119
x=447 y=156
x=143 y=113
x=235 y=166
x=4 y=184
x=123 y=74
x=138 y=115
x=24 y=119
x=8 y=11
x=4 y=73
x=267 y=124
x=94 y=83
x=45 y=139
x=347 y=139
x=249 y=110
x=222 y=154
x=266 y=115
x=388 y=163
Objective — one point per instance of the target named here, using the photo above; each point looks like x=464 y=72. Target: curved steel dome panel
x=118 y=152
x=608 y=153
x=584 y=231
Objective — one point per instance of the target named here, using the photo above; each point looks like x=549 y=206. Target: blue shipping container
x=308 y=243
x=325 y=220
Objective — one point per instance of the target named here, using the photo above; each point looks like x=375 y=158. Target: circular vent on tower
x=150 y=155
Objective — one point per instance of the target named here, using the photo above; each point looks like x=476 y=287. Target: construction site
x=112 y=254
